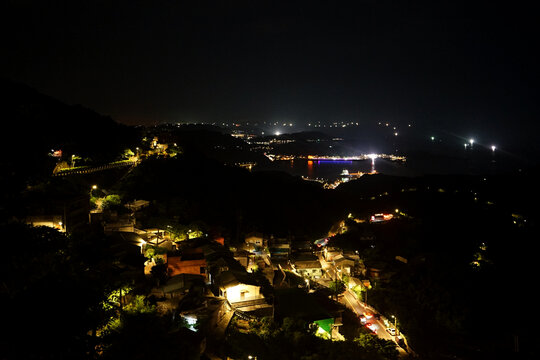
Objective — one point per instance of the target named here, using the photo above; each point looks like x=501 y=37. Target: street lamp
x=395 y=324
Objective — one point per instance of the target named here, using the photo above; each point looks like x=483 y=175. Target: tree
x=373 y=343
x=111 y=202
x=55 y=288
x=337 y=287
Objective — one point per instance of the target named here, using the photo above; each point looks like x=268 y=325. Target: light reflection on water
x=331 y=170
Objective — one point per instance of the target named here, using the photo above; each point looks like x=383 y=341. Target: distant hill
x=36 y=123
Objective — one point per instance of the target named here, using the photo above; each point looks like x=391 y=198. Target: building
x=242 y=256
x=137 y=205
x=280 y=248
x=255 y=238
x=331 y=252
x=191 y=261
x=236 y=287
x=308 y=265
x=52 y=221
x=64 y=213
x=344 y=265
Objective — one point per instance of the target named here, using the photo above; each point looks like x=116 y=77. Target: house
x=59 y=211
x=307 y=265
x=179 y=284
x=123 y=223
x=280 y=248
x=331 y=252
x=236 y=286
x=344 y=265
x=256 y=239
x=137 y=205
x=191 y=261
x=52 y=221
x=242 y=257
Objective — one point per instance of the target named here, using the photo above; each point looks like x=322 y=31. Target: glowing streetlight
x=493 y=147
x=433 y=138
x=471 y=141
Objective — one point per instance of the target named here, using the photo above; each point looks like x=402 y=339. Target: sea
x=412 y=167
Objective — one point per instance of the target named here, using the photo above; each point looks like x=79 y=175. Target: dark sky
x=462 y=66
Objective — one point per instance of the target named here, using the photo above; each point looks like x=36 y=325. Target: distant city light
x=493 y=148
x=471 y=141
x=395 y=134
x=278 y=133
x=432 y=138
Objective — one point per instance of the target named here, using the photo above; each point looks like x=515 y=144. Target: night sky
x=465 y=67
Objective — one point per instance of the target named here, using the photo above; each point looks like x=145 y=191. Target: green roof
x=325 y=324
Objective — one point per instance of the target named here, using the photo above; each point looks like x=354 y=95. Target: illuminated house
x=236 y=286
x=190 y=262
x=255 y=238
x=308 y=265
x=344 y=265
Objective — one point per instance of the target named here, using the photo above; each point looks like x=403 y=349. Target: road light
x=94 y=187
x=395 y=324
x=493 y=147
